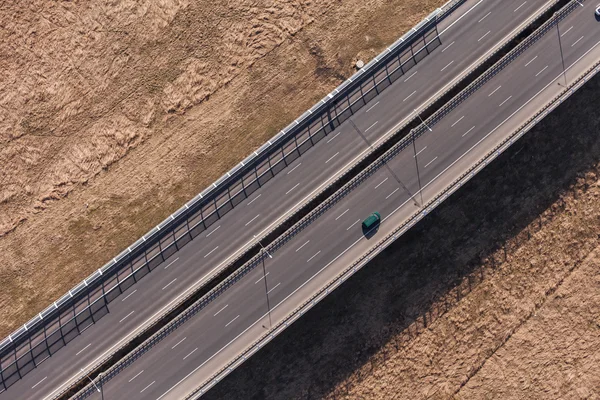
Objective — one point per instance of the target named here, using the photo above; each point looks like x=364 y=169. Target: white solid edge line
x=459 y=18
x=257 y=321
x=383 y=137
x=362 y=237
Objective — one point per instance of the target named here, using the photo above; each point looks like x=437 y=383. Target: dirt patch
x=113 y=114
x=554 y=354
x=493 y=295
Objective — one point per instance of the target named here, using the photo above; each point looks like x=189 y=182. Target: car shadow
x=391 y=301
x=369 y=233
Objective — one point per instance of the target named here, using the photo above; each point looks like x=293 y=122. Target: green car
x=371 y=221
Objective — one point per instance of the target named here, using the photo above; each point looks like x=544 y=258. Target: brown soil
x=113 y=114
x=495 y=295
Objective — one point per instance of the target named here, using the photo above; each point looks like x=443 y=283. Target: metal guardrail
x=83 y=305
x=257 y=260
x=388 y=240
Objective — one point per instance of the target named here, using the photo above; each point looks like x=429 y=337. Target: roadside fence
x=323 y=207
x=87 y=302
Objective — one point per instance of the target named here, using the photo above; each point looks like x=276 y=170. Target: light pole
x=417 y=163
x=262 y=249
x=423 y=122
x=560 y=45
x=384 y=162
x=93 y=383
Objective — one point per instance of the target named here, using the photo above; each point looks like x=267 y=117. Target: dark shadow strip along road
x=175 y=277
x=506 y=100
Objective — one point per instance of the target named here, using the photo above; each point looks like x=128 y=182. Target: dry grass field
x=113 y=114
x=495 y=295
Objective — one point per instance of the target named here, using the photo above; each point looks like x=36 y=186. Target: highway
x=468 y=35
x=304 y=264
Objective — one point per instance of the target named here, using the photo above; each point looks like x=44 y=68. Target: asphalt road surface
x=467 y=36
x=214 y=336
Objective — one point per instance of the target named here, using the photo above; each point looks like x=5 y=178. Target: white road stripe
x=331 y=158
x=352 y=225
x=289 y=191
x=447 y=65
x=252 y=220
x=125 y=317
x=254 y=199
x=39 y=382
x=342 y=214
x=299 y=164
x=144 y=389
x=517 y=9
x=366 y=130
x=138 y=374
x=262 y=278
x=230 y=322
x=530 y=61
x=370 y=108
x=308 y=241
x=501 y=104
x=577 y=41
x=272 y=289
x=169 y=284
x=429 y=163
x=336 y=135
x=409 y=96
x=495 y=90
x=541 y=71
x=313 y=256
x=411 y=75
x=215 y=249
x=381 y=183
x=190 y=353
x=484 y=17
x=419 y=152
x=126 y=297
x=213 y=231
x=221 y=310
x=390 y=195
x=361 y=238
x=460 y=119
x=82 y=350
x=565 y=32
x=171 y=263
x=447 y=47
x=178 y=343
x=481 y=38
x=467 y=132
x=459 y=18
